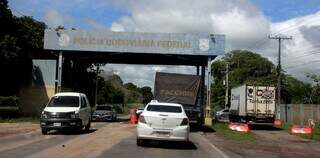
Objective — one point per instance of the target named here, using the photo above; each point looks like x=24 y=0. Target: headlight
x=75 y=115
x=44 y=115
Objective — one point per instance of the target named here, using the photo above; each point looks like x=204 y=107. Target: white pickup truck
x=66 y=110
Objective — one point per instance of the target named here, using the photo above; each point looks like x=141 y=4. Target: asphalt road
x=112 y=140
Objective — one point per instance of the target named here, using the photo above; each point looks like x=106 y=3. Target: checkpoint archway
x=186 y=49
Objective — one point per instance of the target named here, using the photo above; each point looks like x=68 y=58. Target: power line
x=309 y=53
x=302 y=64
x=15 y=10
x=284 y=30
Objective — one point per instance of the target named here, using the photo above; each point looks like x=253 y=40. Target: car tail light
x=184 y=122
x=141 y=119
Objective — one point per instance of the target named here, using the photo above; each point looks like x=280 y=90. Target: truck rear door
x=260 y=100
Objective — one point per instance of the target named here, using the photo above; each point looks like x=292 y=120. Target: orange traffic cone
x=300 y=130
x=277 y=122
x=239 y=127
x=133 y=117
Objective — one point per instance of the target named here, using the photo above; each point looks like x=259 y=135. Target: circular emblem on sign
x=204 y=44
x=64 y=40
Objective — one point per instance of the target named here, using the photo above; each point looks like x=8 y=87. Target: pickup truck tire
x=44 y=131
x=140 y=142
x=87 y=127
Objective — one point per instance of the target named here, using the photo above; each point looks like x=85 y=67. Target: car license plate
x=57 y=124
x=163 y=134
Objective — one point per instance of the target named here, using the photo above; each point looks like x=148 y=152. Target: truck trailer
x=253 y=104
x=182 y=89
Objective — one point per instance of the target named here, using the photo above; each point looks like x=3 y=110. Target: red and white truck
x=253 y=104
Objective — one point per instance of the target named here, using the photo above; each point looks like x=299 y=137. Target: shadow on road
x=170 y=145
x=264 y=127
x=199 y=128
x=71 y=132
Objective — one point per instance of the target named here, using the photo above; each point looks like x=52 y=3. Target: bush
x=11 y=101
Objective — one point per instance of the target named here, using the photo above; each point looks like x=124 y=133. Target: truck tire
x=44 y=131
x=87 y=127
x=140 y=142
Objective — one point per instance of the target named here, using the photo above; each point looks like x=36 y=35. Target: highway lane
x=198 y=147
x=114 y=140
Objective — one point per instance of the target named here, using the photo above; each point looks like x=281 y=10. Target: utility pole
x=279 y=38
x=227 y=86
x=96 y=90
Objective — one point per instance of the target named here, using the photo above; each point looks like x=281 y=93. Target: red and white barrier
x=277 y=122
x=240 y=127
x=300 y=130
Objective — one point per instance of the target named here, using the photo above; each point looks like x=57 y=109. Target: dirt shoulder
x=11 y=129
x=269 y=143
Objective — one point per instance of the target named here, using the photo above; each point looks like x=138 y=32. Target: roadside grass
x=223 y=131
x=19 y=120
x=9 y=108
x=314 y=136
x=10 y=114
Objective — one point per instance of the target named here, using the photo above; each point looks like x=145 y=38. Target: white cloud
x=95 y=25
x=144 y=75
x=241 y=21
x=53 y=18
x=244 y=25
x=300 y=54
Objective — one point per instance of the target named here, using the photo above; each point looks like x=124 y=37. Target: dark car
x=104 y=113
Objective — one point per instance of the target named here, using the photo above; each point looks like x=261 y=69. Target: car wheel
x=87 y=127
x=44 y=131
x=140 y=142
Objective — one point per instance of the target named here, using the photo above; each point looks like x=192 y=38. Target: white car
x=139 y=111
x=163 y=121
x=66 y=110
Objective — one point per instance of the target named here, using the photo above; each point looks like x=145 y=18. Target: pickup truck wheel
x=87 y=127
x=44 y=131
x=140 y=142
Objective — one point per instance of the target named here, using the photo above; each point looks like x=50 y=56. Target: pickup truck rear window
x=164 y=108
x=64 y=101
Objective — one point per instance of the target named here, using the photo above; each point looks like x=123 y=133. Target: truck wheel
x=87 y=127
x=140 y=142
x=44 y=131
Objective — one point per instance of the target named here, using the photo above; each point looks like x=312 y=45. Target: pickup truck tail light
x=184 y=122
x=141 y=119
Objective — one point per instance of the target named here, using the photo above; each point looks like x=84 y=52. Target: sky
x=246 y=24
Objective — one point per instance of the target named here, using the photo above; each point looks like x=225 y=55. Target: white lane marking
x=215 y=148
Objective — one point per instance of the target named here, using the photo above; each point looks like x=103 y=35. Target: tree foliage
x=112 y=90
x=249 y=68
x=21 y=39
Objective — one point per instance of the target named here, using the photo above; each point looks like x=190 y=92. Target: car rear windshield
x=64 y=101
x=164 y=108
x=103 y=108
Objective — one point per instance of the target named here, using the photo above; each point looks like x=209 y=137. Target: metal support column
x=96 y=88
x=60 y=60
x=198 y=70
x=208 y=119
x=202 y=92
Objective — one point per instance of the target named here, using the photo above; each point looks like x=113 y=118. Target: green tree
x=315 y=94
x=146 y=94
x=249 y=68
x=295 y=91
x=21 y=39
x=245 y=67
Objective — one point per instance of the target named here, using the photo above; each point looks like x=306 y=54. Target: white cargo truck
x=253 y=104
